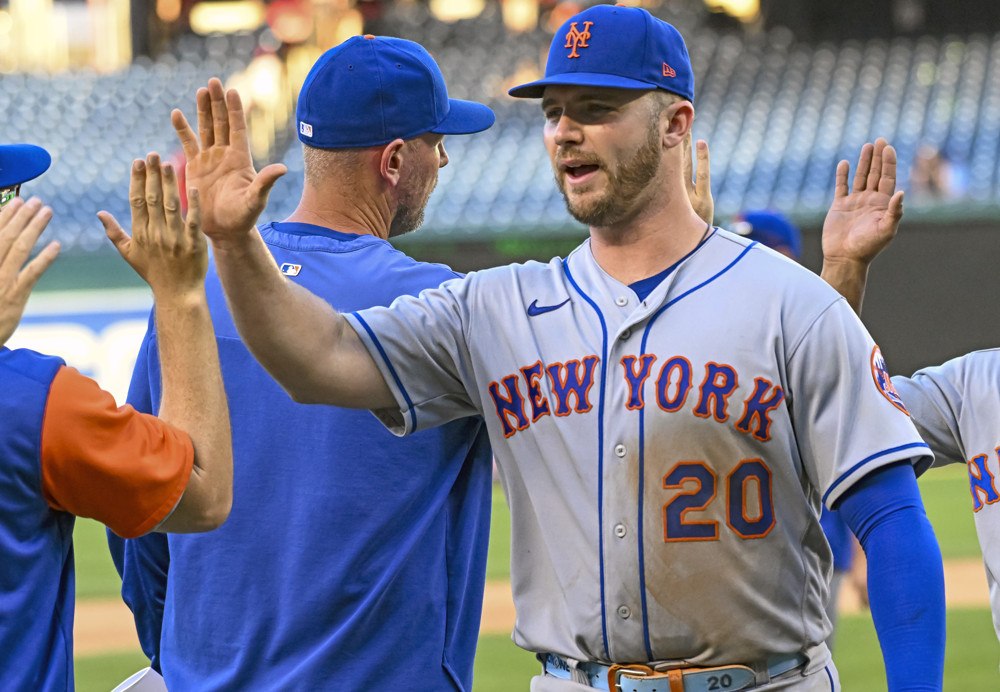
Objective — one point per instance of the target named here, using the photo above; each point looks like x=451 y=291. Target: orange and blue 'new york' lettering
x=676 y=372
x=566 y=380
x=758 y=408
x=510 y=407
x=539 y=404
x=720 y=382
x=636 y=379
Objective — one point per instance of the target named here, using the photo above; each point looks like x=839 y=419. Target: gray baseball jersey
x=664 y=460
x=954 y=407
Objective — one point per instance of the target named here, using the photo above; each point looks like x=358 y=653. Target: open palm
x=219 y=164
x=862 y=221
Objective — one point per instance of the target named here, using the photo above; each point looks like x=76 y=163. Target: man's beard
x=623 y=188
x=406 y=219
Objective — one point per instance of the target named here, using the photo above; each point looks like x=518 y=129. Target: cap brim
x=19 y=163
x=534 y=90
x=464 y=118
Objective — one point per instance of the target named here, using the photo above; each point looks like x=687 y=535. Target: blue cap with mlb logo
x=616 y=46
x=370 y=90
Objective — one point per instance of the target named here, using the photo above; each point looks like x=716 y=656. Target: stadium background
x=784 y=89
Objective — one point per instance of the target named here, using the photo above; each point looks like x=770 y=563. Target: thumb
x=265 y=180
x=116 y=234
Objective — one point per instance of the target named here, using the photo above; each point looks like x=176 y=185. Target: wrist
x=844 y=268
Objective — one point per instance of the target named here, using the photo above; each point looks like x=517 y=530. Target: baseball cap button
x=369 y=36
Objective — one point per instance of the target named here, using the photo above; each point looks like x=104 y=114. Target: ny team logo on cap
x=577 y=39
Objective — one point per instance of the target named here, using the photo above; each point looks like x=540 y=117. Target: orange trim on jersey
x=514 y=405
x=562 y=389
x=539 y=404
x=743 y=499
x=675 y=404
x=695 y=508
x=636 y=381
x=978 y=482
x=761 y=410
x=720 y=392
x=123 y=468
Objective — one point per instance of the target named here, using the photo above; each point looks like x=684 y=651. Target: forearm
x=848 y=278
x=905 y=578
x=194 y=400
x=305 y=345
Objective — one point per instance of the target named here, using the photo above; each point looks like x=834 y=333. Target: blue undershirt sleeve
x=905 y=575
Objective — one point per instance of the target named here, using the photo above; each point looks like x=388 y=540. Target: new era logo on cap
x=306 y=129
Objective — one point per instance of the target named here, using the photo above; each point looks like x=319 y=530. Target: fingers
x=686 y=158
x=895 y=211
x=115 y=233
x=206 y=132
x=840 y=187
x=220 y=114
x=875 y=172
x=864 y=165
x=265 y=180
x=887 y=183
x=193 y=222
x=187 y=137
x=137 y=195
x=33 y=271
x=237 y=132
x=172 y=203
x=156 y=216
x=21 y=222
x=703 y=176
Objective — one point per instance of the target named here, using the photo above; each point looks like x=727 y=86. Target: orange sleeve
x=124 y=468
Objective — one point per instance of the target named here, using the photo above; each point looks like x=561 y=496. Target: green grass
x=103 y=673
x=95 y=573
x=949 y=507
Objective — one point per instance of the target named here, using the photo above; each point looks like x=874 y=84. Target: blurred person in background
x=66 y=448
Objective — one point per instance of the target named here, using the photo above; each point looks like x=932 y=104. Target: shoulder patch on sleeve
x=880 y=373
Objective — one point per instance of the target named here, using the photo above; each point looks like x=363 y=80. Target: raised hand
x=699 y=181
x=219 y=165
x=863 y=221
x=21 y=223
x=169 y=253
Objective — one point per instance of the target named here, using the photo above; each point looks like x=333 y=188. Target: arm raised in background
x=171 y=255
x=308 y=347
x=861 y=221
x=21 y=223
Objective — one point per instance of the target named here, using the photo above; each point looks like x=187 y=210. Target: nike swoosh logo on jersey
x=535 y=309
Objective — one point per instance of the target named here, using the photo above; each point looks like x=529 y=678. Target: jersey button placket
x=624 y=612
x=621 y=301
x=620 y=530
x=620 y=450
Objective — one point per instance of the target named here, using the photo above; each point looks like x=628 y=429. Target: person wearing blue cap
x=351 y=558
x=669 y=405
x=66 y=448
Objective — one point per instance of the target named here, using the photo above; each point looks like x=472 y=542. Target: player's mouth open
x=576 y=174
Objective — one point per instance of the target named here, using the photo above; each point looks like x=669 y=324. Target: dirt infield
x=105 y=625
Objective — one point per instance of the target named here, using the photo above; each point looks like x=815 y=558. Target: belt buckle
x=635 y=670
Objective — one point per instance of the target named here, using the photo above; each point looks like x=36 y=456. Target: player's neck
x=336 y=212
x=647 y=244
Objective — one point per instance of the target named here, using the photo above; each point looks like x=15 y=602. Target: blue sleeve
x=142 y=562
x=905 y=575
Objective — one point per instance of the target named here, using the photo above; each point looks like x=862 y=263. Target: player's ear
x=675 y=123
x=391 y=161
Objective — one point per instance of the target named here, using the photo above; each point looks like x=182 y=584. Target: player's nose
x=443 y=156
x=566 y=130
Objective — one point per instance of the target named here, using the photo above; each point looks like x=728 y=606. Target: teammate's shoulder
x=980 y=368
x=29 y=364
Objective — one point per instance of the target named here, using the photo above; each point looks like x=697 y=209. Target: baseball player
x=67 y=450
x=370 y=565
x=952 y=405
x=669 y=405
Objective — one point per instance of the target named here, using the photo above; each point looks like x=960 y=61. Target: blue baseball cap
x=370 y=90
x=616 y=46
x=20 y=163
x=770 y=228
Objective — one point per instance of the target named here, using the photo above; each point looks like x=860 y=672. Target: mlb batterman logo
x=880 y=373
x=577 y=39
x=289 y=269
x=306 y=129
